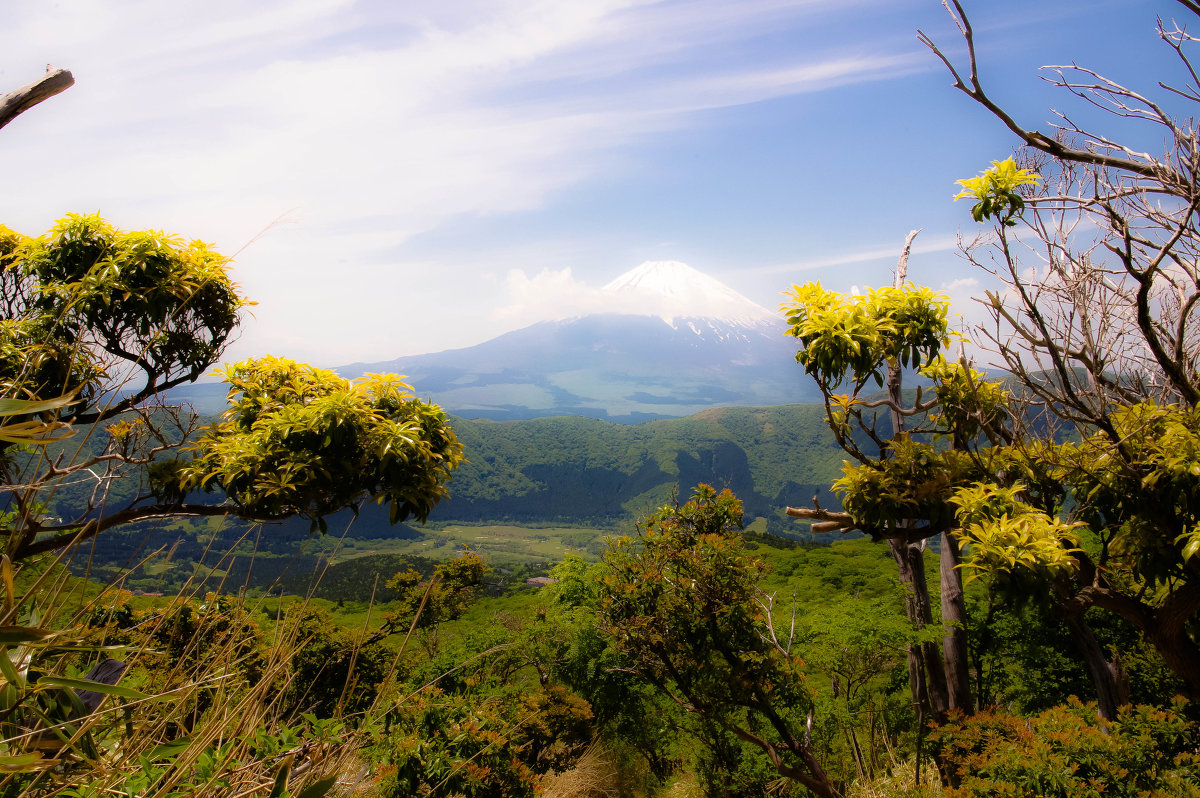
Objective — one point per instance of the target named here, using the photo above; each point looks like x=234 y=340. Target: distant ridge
x=678 y=342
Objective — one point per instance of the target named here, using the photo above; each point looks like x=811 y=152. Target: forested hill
x=582 y=470
x=569 y=471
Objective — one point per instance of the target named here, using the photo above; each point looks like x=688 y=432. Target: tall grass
x=198 y=710
x=594 y=775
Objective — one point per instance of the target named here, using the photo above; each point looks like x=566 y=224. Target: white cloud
x=926 y=246
x=754 y=86
x=368 y=123
x=963 y=293
x=549 y=295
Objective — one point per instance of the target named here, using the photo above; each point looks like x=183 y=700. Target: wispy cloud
x=942 y=243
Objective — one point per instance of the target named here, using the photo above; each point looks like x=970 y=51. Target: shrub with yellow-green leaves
x=87 y=295
x=1146 y=498
x=855 y=337
x=96 y=324
x=303 y=441
x=967 y=402
x=916 y=482
x=1011 y=541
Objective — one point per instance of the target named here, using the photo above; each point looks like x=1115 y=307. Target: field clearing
x=501 y=544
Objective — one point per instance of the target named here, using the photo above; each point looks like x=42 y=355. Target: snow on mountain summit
x=672 y=290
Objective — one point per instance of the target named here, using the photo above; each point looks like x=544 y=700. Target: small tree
x=1078 y=480
x=858 y=646
x=96 y=324
x=683 y=604
x=113 y=320
x=898 y=485
x=424 y=606
x=1096 y=322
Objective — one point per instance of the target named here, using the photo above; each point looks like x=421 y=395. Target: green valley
x=529 y=492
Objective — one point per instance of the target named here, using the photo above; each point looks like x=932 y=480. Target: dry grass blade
x=594 y=776
x=899 y=781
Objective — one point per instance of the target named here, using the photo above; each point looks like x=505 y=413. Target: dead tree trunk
x=955 y=651
x=926 y=674
x=1111 y=692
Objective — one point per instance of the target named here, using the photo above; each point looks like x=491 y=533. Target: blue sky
x=397 y=178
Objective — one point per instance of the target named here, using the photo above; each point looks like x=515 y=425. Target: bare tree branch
x=971 y=85
x=16 y=102
x=68 y=535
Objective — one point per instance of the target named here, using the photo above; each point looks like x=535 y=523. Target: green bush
x=1069 y=751
x=496 y=747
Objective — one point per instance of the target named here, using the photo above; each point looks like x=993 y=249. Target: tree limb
x=971 y=86
x=70 y=534
x=16 y=102
x=1191 y=6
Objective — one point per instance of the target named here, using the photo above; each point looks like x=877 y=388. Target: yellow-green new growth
x=843 y=336
x=995 y=190
x=1010 y=540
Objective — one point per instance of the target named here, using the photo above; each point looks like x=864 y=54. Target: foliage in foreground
x=1075 y=482
x=101 y=322
x=1069 y=752
x=96 y=324
x=684 y=607
x=1107 y=521
x=206 y=704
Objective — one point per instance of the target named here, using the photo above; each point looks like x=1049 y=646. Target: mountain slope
x=580 y=470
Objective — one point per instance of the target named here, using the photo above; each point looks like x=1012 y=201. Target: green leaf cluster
x=303 y=441
x=88 y=288
x=452 y=744
x=451 y=591
x=41 y=712
x=917 y=481
x=856 y=337
x=37 y=361
x=996 y=192
x=1141 y=491
x=1137 y=496
x=967 y=402
x=1014 y=544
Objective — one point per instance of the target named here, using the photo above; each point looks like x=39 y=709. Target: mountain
x=675 y=342
x=669 y=289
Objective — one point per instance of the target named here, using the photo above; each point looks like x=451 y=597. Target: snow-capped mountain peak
x=618 y=359
x=672 y=290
